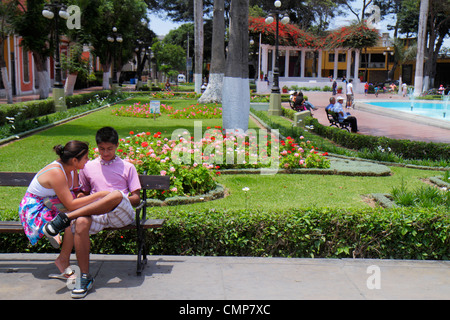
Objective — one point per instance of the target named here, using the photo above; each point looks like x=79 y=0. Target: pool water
x=428 y=109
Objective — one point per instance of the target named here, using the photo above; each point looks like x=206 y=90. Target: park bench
x=333 y=117
x=23 y=179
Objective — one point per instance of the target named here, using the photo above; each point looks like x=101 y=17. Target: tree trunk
x=106 y=76
x=213 y=92
x=418 y=78
x=7 y=85
x=70 y=83
x=43 y=75
x=4 y=71
x=198 y=40
x=236 y=88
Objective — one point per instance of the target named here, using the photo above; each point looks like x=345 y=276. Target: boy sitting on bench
x=105 y=173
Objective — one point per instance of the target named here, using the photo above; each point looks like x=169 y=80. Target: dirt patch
x=370 y=201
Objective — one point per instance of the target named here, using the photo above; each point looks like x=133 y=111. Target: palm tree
x=198 y=44
x=236 y=88
x=402 y=54
x=421 y=38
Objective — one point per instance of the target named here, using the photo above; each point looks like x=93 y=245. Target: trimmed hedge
x=407 y=149
x=322 y=233
x=36 y=108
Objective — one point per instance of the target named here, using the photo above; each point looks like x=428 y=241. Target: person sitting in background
x=308 y=105
x=298 y=103
x=331 y=105
x=345 y=116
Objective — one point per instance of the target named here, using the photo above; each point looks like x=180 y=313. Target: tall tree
x=236 y=88
x=30 y=25
x=438 y=30
x=198 y=41
x=421 y=33
x=168 y=57
x=7 y=9
x=213 y=92
x=99 y=18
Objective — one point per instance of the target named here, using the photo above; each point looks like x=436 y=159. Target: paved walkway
x=25 y=276
x=377 y=124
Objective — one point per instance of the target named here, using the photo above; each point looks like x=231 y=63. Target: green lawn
x=274 y=192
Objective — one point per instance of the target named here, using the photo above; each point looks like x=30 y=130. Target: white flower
x=245 y=189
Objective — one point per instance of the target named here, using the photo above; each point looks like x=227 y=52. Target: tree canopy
x=355 y=36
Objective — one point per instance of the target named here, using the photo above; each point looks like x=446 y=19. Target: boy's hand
x=135 y=198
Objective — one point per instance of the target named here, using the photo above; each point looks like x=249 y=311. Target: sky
x=162 y=26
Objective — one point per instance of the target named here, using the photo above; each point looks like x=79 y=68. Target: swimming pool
x=436 y=110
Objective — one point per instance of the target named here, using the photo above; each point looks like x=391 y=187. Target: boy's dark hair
x=107 y=134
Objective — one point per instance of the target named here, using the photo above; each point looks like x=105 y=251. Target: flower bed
x=171 y=95
x=197 y=111
x=192 y=165
x=137 y=110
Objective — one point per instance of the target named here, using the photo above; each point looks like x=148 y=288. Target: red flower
x=144 y=144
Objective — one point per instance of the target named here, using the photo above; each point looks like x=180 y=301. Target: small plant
x=424 y=196
x=247 y=196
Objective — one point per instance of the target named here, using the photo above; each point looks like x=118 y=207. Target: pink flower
x=163 y=172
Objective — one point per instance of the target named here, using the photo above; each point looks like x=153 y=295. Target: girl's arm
x=57 y=181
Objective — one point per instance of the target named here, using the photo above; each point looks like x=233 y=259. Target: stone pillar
x=286 y=64
x=349 y=63
x=319 y=64
x=302 y=71
x=335 y=71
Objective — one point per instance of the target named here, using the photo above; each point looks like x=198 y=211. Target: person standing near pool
x=349 y=93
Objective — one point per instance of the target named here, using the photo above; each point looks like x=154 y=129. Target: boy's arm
x=135 y=198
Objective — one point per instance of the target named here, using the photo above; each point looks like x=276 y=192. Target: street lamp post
x=57 y=10
x=114 y=37
x=275 y=95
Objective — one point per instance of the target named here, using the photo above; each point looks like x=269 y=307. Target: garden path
x=380 y=125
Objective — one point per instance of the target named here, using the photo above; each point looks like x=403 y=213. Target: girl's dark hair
x=72 y=149
x=107 y=134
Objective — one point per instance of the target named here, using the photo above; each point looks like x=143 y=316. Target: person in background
x=345 y=116
x=349 y=93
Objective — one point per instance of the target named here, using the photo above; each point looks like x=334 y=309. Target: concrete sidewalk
x=25 y=276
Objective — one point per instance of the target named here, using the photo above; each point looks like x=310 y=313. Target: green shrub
x=406 y=149
x=395 y=233
x=32 y=109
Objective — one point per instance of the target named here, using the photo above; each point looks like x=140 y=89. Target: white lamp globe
x=269 y=20
x=48 y=14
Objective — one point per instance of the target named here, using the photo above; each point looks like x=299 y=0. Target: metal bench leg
x=142 y=251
